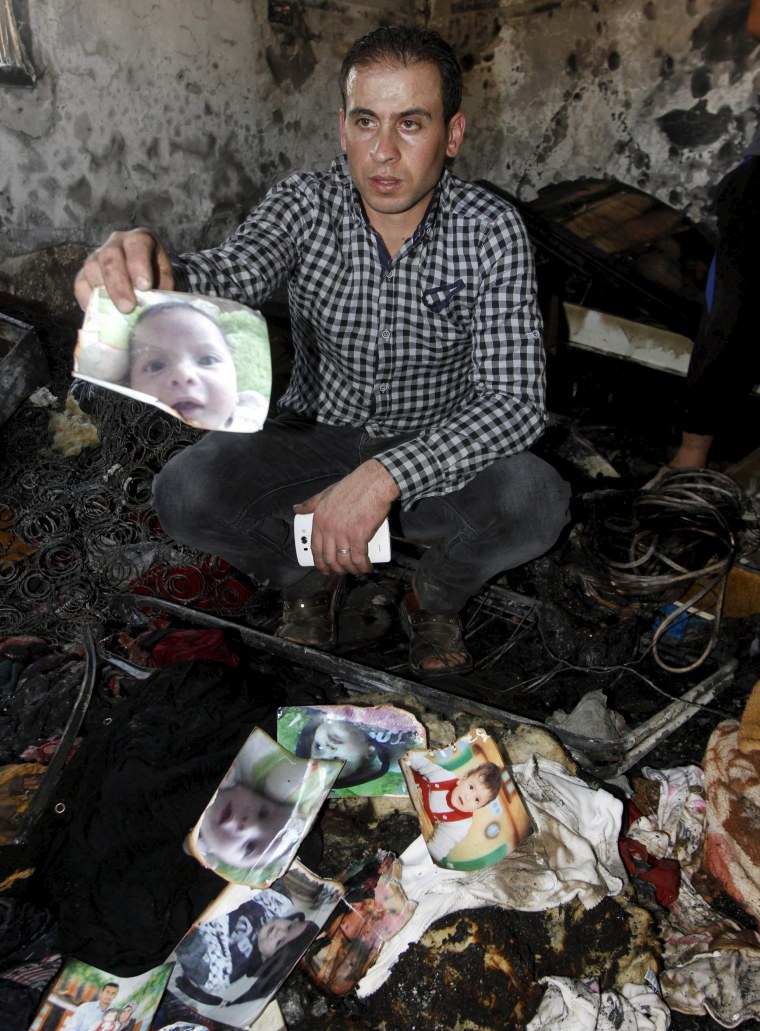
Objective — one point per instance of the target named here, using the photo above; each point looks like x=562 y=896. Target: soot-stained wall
x=660 y=94
x=179 y=114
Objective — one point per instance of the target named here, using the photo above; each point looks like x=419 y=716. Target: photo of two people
x=83 y=998
x=203 y=359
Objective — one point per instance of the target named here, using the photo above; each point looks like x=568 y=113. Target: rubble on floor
x=556 y=655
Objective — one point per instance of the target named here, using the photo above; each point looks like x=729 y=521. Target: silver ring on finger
x=343 y=551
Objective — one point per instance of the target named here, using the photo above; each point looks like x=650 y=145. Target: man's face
x=395 y=138
x=107 y=995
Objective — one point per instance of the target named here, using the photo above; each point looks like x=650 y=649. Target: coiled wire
x=678 y=548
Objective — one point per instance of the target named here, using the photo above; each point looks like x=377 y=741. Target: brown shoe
x=434 y=635
x=311 y=621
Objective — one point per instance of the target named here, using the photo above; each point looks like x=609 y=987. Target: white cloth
x=722 y=980
x=677 y=829
x=571 y=1005
x=591 y=718
x=573 y=853
x=711 y=964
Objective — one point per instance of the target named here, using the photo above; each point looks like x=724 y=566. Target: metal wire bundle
x=678 y=547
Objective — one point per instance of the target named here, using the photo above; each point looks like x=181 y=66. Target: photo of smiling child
x=260 y=813
x=204 y=360
x=470 y=812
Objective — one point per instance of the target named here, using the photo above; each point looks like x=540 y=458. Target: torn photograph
x=252 y=827
x=235 y=957
x=83 y=998
x=369 y=739
x=373 y=909
x=205 y=360
x=184 y=1019
x=470 y=811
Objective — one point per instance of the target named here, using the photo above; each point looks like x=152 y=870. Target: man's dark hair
x=406 y=45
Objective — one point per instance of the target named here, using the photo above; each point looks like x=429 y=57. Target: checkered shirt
x=443 y=341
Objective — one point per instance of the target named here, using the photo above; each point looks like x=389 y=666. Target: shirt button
x=383 y=387
x=386 y=334
x=390 y=273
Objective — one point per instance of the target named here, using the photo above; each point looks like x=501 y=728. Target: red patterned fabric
x=212 y=585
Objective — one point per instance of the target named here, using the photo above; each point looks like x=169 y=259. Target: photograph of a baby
x=205 y=360
x=237 y=955
x=260 y=813
x=369 y=739
x=261 y=940
x=179 y=355
x=470 y=812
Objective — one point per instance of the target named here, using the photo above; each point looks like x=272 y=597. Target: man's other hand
x=347 y=516
x=127 y=261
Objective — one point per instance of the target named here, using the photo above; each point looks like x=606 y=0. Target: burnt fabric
x=29 y=959
x=42 y=679
x=732 y=785
x=165 y=647
x=110 y=857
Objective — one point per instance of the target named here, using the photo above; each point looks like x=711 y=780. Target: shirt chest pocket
x=437 y=299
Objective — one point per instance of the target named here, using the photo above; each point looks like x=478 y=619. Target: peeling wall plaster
x=165 y=114
x=661 y=94
x=179 y=114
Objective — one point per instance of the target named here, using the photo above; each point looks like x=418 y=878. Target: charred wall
x=180 y=114
x=660 y=94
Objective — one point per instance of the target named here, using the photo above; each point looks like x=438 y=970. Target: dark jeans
x=725 y=361
x=232 y=494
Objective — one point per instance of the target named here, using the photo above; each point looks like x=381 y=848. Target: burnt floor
x=92 y=537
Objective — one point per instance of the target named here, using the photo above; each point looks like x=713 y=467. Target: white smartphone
x=379 y=548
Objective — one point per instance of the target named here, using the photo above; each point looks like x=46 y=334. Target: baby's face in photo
x=240 y=824
x=470 y=793
x=340 y=740
x=182 y=359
